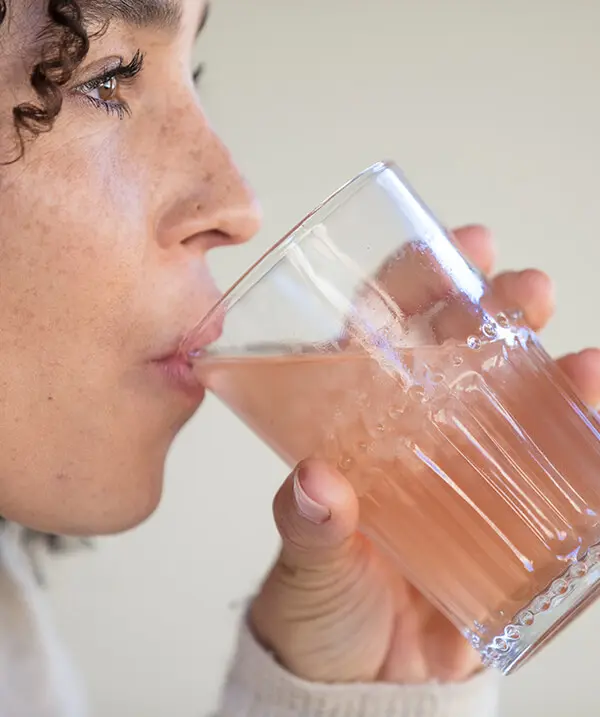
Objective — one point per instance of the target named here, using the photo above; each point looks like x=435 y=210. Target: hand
x=333 y=609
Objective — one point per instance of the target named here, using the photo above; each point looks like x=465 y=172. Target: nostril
x=207 y=240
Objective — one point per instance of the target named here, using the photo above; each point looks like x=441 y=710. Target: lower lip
x=179 y=374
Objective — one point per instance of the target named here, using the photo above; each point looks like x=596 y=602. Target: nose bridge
x=227 y=192
x=216 y=194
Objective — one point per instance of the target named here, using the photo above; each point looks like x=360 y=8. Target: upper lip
x=199 y=337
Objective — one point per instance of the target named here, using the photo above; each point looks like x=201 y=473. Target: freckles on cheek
x=106 y=164
x=76 y=245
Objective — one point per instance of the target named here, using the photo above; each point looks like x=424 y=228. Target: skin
x=106 y=273
x=106 y=226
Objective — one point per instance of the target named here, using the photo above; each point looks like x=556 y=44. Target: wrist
x=259 y=685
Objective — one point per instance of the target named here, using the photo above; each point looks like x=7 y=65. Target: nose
x=212 y=203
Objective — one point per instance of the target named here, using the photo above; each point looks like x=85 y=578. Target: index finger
x=423 y=279
x=476 y=243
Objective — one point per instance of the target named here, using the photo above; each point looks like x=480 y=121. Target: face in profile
x=107 y=220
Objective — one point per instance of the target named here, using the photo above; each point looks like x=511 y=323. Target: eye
x=108 y=89
x=104 y=91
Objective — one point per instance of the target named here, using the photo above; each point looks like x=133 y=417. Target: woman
x=113 y=190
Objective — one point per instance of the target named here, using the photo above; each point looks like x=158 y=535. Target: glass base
x=536 y=624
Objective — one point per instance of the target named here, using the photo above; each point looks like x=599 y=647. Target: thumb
x=316 y=512
x=325 y=610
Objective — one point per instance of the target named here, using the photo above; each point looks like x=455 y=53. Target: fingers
x=410 y=282
x=413 y=280
x=584 y=371
x=477 y=245
x=316 y=512
x=531 y=291
x=326 y=609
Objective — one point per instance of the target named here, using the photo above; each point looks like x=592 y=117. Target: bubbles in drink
x=395 y=412
x=503 y=321
x=474 y=343
x=489 y=330
x=346 y=463
x=416 y=394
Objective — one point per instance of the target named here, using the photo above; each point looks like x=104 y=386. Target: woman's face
x=105 y=226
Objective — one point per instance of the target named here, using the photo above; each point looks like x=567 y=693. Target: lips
x=176 y=364
x=179 y=373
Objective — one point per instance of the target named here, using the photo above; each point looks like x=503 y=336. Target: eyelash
x=126 y=73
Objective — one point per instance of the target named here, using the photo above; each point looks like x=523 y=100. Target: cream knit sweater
x=38 y=680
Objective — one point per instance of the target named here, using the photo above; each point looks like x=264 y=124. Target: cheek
x=85 y=291
x=72 y=254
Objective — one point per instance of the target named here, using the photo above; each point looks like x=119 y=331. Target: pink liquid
x=478 y=469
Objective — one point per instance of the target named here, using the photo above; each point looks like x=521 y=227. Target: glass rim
x=271 y=258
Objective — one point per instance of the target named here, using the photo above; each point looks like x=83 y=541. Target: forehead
x=141 y=13
x=170 y=16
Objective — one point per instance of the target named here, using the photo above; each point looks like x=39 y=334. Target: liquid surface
x=476 y=465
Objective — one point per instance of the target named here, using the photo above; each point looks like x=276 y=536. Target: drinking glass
x=366 y=339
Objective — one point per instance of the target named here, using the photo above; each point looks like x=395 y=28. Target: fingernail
x=307 y=507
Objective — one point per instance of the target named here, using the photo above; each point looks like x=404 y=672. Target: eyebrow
x=162 y=14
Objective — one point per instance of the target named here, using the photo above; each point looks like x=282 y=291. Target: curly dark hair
x=65 y=44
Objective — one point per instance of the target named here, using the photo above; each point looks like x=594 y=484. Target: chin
x=122 y=521
x=107 y=484
x=124 y=515
x=97 y=522
x=130 y=496
x=105 y=509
